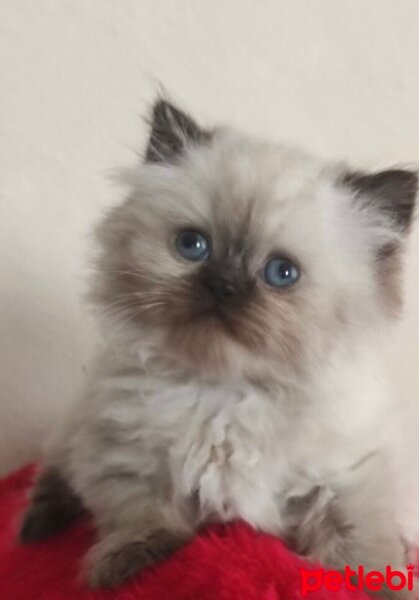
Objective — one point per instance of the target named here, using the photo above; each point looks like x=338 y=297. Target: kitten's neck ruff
x=349 y=381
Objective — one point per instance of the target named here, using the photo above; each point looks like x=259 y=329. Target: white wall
x=339 y=76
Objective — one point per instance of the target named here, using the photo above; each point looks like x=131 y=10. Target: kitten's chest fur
x=235 y=448
x=227 y=454
x=241 y=452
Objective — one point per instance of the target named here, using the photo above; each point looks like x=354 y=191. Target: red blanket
x=222 y=563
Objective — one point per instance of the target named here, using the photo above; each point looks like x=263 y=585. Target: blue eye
x=192 y=245
x=280 y=272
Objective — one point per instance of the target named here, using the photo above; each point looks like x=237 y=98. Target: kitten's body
x=239 y=448
x=274 y=409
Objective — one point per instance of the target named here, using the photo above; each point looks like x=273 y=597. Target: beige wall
x=339 y=76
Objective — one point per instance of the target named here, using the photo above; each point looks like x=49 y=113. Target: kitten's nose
x=221 y=288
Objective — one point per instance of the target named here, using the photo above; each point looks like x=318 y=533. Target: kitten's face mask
x=237 y=253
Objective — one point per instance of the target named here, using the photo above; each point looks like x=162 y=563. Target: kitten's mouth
x=212 y=312
x=220 y=316
x=221 y=310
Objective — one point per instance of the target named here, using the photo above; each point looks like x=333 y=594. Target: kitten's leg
x=137 y=529
x=54 y=506
x=348 y=526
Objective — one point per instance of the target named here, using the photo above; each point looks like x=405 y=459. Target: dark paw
x=54 y=507
x=110 y=565
x=44 y=520
x=36 y=526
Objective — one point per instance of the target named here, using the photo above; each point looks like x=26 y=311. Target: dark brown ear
x=391 y=193
x=172 y=131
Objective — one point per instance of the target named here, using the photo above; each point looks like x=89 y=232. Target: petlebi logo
x=360 y=579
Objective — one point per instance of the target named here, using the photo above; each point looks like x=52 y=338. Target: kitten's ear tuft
x=172 y=131
x=391 y=193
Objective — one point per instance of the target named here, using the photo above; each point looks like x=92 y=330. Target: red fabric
x=223 y=563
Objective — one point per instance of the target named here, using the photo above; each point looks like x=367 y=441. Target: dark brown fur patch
x=110 y=565
x=54 y=506
x=392 y=192
x=171 y=131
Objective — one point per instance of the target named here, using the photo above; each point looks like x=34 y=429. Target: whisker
x=119 y=325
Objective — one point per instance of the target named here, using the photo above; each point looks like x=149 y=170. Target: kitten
x=253 y=287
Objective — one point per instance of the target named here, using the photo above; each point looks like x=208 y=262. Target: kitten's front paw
x=54 y=507
x=114 y=560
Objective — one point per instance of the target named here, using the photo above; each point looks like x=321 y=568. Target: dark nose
x=221 y=289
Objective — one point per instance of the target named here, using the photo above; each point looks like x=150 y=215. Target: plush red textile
x=222 y=563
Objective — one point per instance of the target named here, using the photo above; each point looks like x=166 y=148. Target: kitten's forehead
x=250 y=171
x=252 y=191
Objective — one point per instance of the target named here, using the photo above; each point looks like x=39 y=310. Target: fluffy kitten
x=253 y=287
